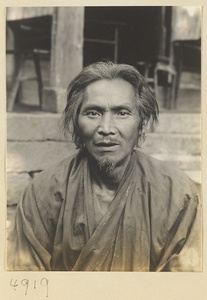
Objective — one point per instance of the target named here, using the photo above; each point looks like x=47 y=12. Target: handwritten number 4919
x=26 y=283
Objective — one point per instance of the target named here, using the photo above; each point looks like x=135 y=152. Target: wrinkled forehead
x=110 y=91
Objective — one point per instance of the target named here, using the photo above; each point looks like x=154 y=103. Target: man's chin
x=106 y=165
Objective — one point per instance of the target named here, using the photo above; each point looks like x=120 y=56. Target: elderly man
x=110 y=207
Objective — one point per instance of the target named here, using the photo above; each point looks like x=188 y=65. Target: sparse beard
x=106 y=165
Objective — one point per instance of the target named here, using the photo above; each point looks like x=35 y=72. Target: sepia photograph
x=104 y=138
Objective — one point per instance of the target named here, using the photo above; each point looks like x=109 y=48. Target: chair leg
x=156 y=83
x=173 y=91
x=178 y=53
x=169 y=88
x=39 y=76
x=15 y=85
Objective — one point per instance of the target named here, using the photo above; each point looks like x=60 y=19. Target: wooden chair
x=152 y=70
x=28 y=44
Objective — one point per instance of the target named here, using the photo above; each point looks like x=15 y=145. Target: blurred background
x=47 y=46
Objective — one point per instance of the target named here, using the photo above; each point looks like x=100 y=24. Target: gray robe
x=152 y=224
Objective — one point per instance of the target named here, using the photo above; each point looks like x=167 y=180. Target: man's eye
x=124 y=113
x=92 y=113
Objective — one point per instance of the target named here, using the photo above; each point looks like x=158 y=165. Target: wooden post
x=116 y=38
x=10 y=59
x=66 y=54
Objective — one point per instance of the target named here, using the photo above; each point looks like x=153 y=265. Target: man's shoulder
x=170 y=189
x=161 y=171
x=56 y=175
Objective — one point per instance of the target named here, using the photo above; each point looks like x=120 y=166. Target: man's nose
x=106 y=125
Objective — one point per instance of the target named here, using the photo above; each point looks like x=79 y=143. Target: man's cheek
x=87 y=136
x=85 y=131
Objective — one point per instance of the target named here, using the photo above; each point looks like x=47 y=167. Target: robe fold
x=152 y=224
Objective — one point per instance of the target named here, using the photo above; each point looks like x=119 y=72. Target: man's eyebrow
x=93 y=107
x=124 y=106
x=102 y=108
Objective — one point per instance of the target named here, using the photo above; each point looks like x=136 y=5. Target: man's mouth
x=107 y=144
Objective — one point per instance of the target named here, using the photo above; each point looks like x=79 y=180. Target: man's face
x=109 y=120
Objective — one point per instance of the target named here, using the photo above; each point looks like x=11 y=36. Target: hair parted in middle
x=146 y=103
